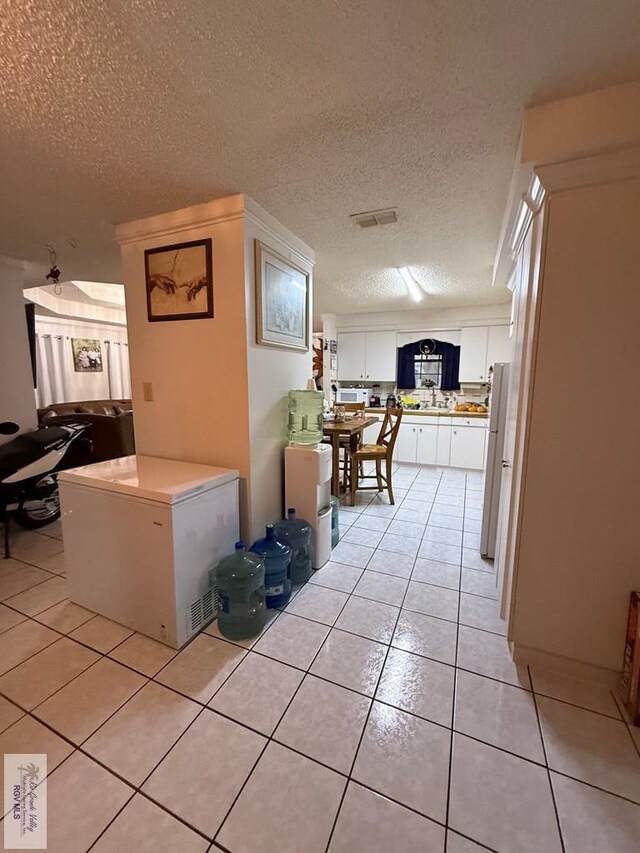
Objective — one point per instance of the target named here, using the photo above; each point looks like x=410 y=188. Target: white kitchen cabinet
x=406 y=442
x=426 y=445
x=367 y=356
x=351 y=355
x=381 y=356
x=443 y=444
x=473 y=354
x=499 y=346
x=417 y=442
x=467 y=446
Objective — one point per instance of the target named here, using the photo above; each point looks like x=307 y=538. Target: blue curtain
x=450 y=363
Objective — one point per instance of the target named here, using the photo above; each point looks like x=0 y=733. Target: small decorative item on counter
x=277 y=557
x=305 y=416
x=391 y=401
x=240 y=582
x=630 y=685
x=296 y=533
x=339 y=413
x=335 y=521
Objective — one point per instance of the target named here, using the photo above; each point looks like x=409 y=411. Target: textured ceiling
x=118 y=109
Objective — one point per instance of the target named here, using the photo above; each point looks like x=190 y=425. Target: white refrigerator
x=141 y=535
x=493 y=476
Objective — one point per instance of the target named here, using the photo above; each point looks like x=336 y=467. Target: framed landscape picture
x=179 y=281
x=87 y=355
x=282 y=301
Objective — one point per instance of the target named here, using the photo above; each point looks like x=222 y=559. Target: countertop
x=434 y=413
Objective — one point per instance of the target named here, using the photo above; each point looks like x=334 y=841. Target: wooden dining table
x=352 y=427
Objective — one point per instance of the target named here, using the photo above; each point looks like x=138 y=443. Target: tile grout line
x=270 y=738
x=454 y=698
x=625 y=719
x=366 y=722
x=546 y=761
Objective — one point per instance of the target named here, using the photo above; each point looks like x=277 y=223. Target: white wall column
x=576 y=548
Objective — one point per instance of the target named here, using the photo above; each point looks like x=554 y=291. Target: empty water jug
x=296 y=533
x=305 y=416
x=241 y=590
x=276 y=556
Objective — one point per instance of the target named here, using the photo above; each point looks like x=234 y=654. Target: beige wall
x=197 y=368
x=272 y=374
x=218 y=398
x=578 y=556
x=17 y=397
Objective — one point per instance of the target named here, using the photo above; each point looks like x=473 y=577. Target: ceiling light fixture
x=415 y=291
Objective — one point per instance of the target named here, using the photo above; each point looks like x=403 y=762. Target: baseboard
x=566 y=666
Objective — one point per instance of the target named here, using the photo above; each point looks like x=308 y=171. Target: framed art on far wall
x=87 y=355
x=282 y=301
x=179 y=281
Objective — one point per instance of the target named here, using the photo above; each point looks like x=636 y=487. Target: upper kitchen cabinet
x=368 y=356
x=499 y=346
x=473 y=354
x=480 y=347
x=352 y=358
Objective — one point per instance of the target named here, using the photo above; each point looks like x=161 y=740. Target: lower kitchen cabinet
x=446 y=442
x=426 y=444
x=467 y=447
x=443 y=446
x=417 y=443
x=405 y=449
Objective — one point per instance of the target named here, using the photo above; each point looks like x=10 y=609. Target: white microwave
x=353 y=395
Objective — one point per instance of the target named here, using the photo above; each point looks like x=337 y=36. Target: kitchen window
x=428 y=371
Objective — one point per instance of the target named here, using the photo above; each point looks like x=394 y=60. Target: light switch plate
x=147 y=392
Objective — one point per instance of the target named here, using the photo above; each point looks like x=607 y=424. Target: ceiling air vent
x=371 y=218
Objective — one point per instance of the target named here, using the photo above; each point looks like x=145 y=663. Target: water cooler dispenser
x=308 y=489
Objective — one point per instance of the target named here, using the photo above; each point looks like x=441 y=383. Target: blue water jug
x=296 y=533
x=240 y=583
x=276 y=558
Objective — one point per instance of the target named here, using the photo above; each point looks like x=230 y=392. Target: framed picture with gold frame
x=282 y=301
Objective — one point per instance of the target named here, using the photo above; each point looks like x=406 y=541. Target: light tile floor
x=381 y=712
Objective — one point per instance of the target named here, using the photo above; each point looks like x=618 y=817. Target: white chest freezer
x=140 y=536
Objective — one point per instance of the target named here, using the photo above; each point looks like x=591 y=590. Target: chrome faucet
x=433 y=397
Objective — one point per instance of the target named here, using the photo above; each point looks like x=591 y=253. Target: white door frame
x=528 y=244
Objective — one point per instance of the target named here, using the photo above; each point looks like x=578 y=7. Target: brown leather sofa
x=110 y=427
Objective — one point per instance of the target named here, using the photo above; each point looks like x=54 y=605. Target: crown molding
x=198 y=216
x=295 y=247
x=620 y=165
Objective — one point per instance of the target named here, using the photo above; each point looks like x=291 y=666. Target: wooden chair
x=350 y=408
x=381 y=451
